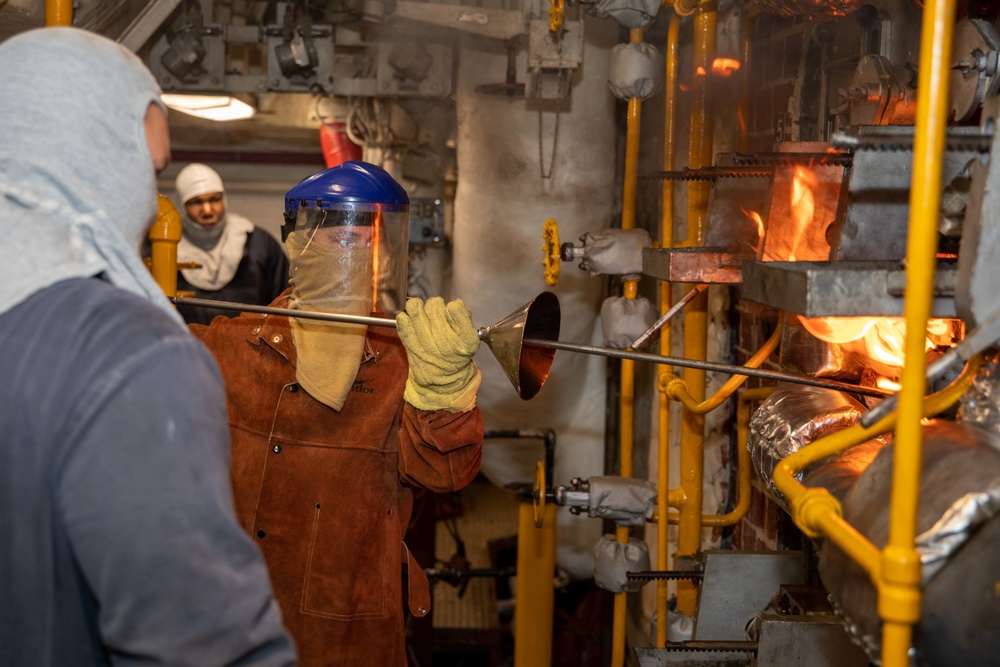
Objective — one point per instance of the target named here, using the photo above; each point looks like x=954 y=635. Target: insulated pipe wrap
x=613 y=561
x=635 y=70
x=980 y=405
x=959 y=541
x=791 y=418
x=623 y=320
x=629 y=13
x=626 y=501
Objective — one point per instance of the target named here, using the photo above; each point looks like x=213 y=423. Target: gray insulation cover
x=958 y=539
x=635 y=70
x=614 y=560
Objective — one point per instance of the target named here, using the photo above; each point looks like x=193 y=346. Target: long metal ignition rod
x=732 y=369
x=301 y=314
x=554 y=345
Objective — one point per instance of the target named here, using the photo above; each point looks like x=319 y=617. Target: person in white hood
x=236 y=260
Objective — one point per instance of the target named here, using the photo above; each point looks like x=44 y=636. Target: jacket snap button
x=421 y=611
x=276 y=449
x=276 y=340
x=256 y=330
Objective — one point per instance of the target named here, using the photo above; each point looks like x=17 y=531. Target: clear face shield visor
x=348 y=257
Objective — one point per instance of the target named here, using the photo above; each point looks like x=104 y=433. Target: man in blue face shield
x=119 y=540
x=334 y=423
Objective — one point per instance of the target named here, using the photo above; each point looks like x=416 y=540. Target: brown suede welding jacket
x=325 y=494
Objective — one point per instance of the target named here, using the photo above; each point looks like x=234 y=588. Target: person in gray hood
x=119 y=543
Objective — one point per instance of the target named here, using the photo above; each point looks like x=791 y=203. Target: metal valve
x=576 y=496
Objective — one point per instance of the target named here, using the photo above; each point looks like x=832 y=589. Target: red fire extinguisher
x=337 y=146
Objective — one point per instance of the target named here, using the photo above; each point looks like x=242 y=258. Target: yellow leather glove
x=440 y=342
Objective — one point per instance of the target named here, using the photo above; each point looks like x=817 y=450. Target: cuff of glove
x=453 y=399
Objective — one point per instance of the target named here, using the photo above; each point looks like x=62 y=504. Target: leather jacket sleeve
x=440 y=450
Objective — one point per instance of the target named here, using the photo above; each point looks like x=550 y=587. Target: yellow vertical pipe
x=626 y=434
x=665 y=374
x=536 y=562
x=696 y=314
x=899 y=594
x=164 y=236
x=627 y=412
x=58 y=13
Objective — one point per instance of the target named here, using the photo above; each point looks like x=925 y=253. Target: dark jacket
x=261 y=276
x=326 y=494
x=118 y=539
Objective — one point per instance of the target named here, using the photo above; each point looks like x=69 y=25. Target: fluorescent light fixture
x=212 y=107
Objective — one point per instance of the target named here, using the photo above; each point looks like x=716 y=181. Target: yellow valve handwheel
x=538 y=494
x=556 y=12
x=550 y=260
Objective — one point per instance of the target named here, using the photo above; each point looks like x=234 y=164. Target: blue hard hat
x=352 y=182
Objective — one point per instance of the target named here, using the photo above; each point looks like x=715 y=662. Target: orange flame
x=699 y=71
x=887 y=384
x=376 y=250
x=753 y=215
x=803 y=205
x=885 y=341
x=725 y=67
x=837 y=330
x=883 y=338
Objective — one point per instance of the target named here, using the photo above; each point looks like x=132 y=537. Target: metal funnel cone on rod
x=526 y=366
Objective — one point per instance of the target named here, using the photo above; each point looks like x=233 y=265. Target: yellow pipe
x=665 y=374
x=58 y=13
x=627 y=412
x=536 y=558
x=899 y=596
x=164 y=236
x=627 y=435
x=678 y=391
x=696 y=314
x=744 y=399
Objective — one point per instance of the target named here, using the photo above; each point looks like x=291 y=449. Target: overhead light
x=212 y=107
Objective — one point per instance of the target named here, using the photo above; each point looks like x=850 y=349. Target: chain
x=555 y=133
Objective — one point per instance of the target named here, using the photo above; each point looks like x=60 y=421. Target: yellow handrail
x=899 y=595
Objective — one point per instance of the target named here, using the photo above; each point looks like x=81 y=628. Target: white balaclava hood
x=193 y=181
x=77 y=183
x=218 y=249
